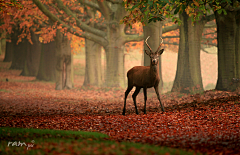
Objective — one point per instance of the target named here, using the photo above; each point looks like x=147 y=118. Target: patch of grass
x=4 y=90
x=45 y=141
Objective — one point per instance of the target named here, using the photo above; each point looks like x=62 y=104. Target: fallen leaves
x=209 y=123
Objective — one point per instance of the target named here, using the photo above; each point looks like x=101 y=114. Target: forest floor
x=207 y=123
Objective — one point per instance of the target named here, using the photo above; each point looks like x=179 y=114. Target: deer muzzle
x=154 y=61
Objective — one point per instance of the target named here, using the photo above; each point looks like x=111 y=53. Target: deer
x=144 y=77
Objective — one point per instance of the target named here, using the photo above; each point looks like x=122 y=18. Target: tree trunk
x=114 y=60
x=19 y=51
x=33 y=52
x=9 y=52
x=114 y=51
x=46 y=71
x=154 y=30
x=3 y=43
x=188 y=77
x=228 y=50
x=64 y=61
x=93 y=69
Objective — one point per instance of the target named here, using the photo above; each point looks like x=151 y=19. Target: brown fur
x=144 y=77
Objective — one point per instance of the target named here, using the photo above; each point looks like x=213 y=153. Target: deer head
x=154 y=55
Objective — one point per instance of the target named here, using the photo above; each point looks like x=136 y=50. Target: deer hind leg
x=126 y=94
x=158 y=96
x=134 y=97
x=145 y=99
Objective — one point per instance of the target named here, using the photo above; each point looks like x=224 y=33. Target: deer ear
x=147 y=52
x=159 y=52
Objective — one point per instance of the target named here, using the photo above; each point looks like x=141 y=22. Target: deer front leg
x=126 y=94
x=158 y=96
x=134 y=98
x=145 y=99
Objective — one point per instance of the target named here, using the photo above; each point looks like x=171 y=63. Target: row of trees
x=98 y=22
x=227 y=17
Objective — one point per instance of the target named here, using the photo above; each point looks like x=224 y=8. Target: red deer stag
x=144 y=77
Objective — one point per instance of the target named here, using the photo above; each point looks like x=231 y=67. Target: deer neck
x=154 y=70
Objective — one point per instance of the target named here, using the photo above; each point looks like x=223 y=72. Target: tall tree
x=112 y=40
x=64 y=60
x=93 y=69
x=228 y=27
x=188 y=76
x=19 y=50
x=32 y=59
x=48 y=62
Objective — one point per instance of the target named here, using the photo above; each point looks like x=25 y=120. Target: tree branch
x=79 y=23
x=90 y=4
x=133 y=37
x=115 y=1
x=204 y=50
x=209 y=38
x=171 y=43
x=210 y=26
x=210 y=33
x=212 y=44
x=104 y=9
x=170 y=37
x=170 y=28
x=72 y=30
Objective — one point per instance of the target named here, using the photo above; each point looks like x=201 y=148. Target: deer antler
x=147 y=44
x=160 y=44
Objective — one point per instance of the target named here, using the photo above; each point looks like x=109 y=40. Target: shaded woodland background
x=63 y=66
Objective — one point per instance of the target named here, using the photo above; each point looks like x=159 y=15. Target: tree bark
x=47 y=66
x=19 y=51
x=93 y=69
x=188 y=75
x=114 y=49
x=228 y=49
x=3 y=43
x=154 y=30
x=64 y=61
x=33 y=52
x=9 y=52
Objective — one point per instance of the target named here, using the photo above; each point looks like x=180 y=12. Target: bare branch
x=90 y=4
x=132 y=37
x=211 y=44
x=209 y=38
x=170 y=43
x=210 y=33
x=204 y=50
x=210 y=26
x=115 y=1
x=170 y=37
x=170 y=28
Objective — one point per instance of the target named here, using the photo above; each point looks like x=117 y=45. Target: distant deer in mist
x=144 y=77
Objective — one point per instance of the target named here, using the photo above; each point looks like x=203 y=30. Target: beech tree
x=227 y=14
x=27 y=20
x=111 y=35
x=228 y=32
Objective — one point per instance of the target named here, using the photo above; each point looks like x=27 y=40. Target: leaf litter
x=208 y=122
